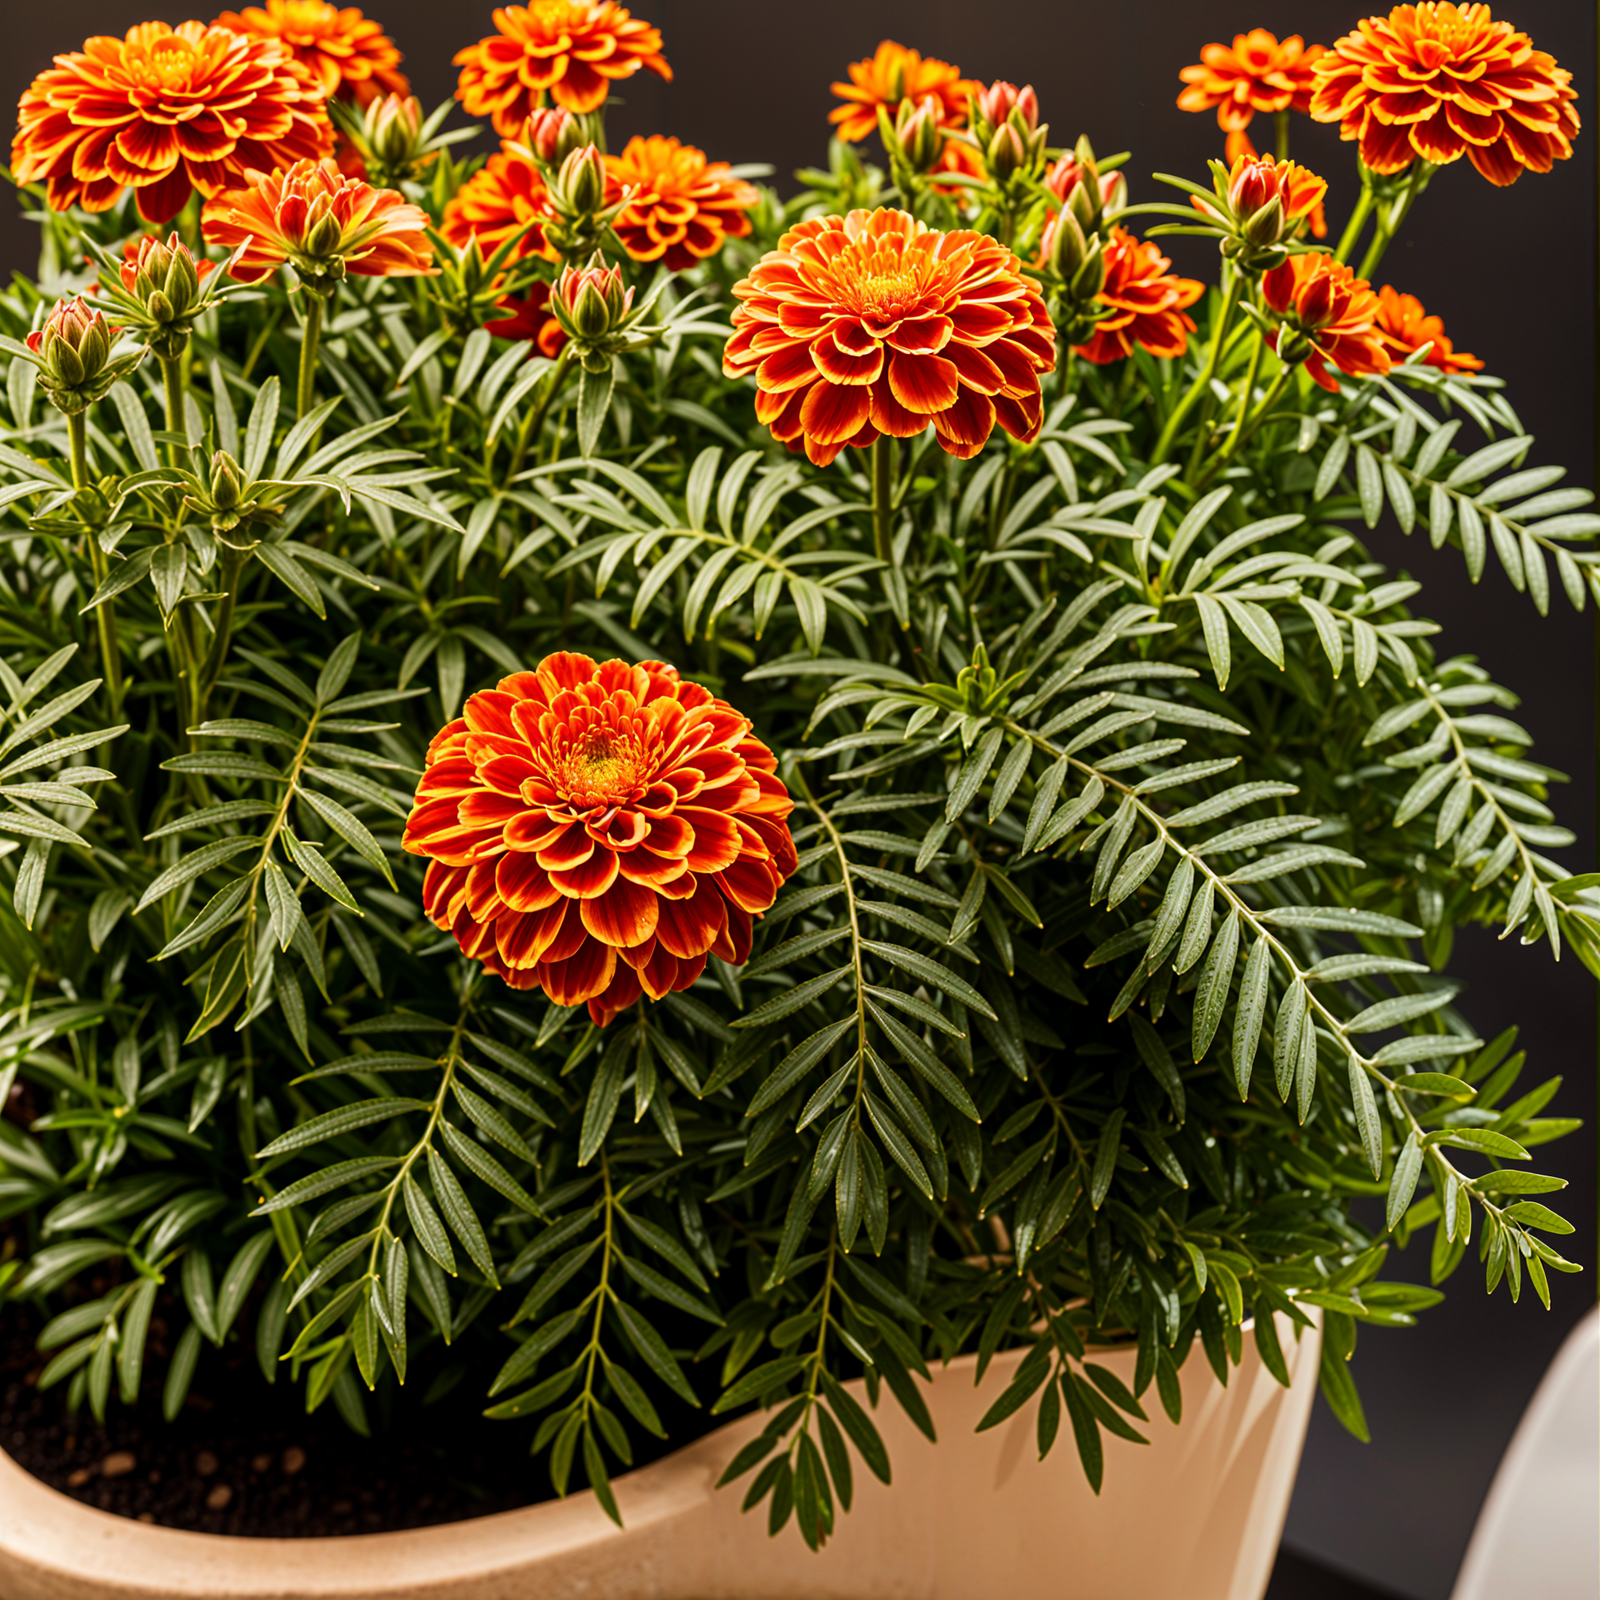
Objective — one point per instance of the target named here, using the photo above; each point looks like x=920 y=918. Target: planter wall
x=1195 y=1513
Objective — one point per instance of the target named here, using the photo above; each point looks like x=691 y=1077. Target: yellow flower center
x=168 y=64
x=603 y=766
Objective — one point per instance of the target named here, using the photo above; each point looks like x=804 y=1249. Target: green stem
x=1202 y=384
x=306 y=393
x=1282 y=119
x=1358 y=220
x=1246 y=395
x=883 y=499
x=172 y=384
x=105 y=618
x=232 y=568
x=530 y=432
x=1389 y=222
x=1241 y=434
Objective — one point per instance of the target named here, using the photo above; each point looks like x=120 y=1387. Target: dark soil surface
x=259 y=1466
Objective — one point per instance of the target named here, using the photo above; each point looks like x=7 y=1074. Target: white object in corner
x=1538 y=1532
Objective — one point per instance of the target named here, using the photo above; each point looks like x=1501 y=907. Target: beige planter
x=1197 y=1513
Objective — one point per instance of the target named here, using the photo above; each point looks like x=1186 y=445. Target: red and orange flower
x=499 y=200
x=876 y=324
x=1259 y=73
x=598 y=831
x=1330 y=318
x=1442 y=81
x=574 y=50
x=320 y=221
x=165 y=112
x=681 y=207
x=350 y=56
x=893 y=74
x=1405 y=326
x=1148 y=304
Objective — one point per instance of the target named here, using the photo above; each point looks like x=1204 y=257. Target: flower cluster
x=598 y=830
x=875 y=324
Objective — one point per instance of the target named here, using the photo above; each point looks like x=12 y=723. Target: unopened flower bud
x=225 y=475
x=323 y=236
x=393 y=131
x=920 y=133
x=1064 y=246
x=73 y=347
x=579 y=187
x=553 y=133
x=1081 y=203
x=1006 y=153
x=1090 y=278
x=1265 y=226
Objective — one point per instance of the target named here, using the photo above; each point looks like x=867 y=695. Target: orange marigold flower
x=1442 y=81
x=876 y=324
x=892 y=74
x=165 y=112
x=1260 y=73
x=322 y=222
x=1148 y=304
x=1330 y=318
x=597 y=831
x=1404 y=326
x=347 y=54
x=680 y=206
x=573 y=49
x=530 y=318
x=498 y=200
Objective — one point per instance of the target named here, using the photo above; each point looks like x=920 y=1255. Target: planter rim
x=53 y=1547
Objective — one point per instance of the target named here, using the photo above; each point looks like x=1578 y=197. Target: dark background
x=1512 y=271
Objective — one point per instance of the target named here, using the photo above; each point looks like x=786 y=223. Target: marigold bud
x=920 y=133
x=1063 y=246
x=1090 y=278
x=72 y=350
x=225 y=476
x=553 y=134
x=393 y=131
x=592 y=304
x=1006 y=153
x=579 y=188
x=1003 y=102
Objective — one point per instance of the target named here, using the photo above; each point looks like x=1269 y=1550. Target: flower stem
x=172 y=383
x=1245 y=396
x=105 y=618
x=530 y=432
x=232 y=571
x=1358 y=220
x=1389 y=222
x=883 y=499
x=1282 y=119
x=1246 y=426
x=306 y=393
x=1202 y=384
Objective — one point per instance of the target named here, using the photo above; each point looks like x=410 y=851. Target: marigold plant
x=623 y=786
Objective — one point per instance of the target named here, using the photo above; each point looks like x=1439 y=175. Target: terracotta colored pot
x=1195 y=1513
